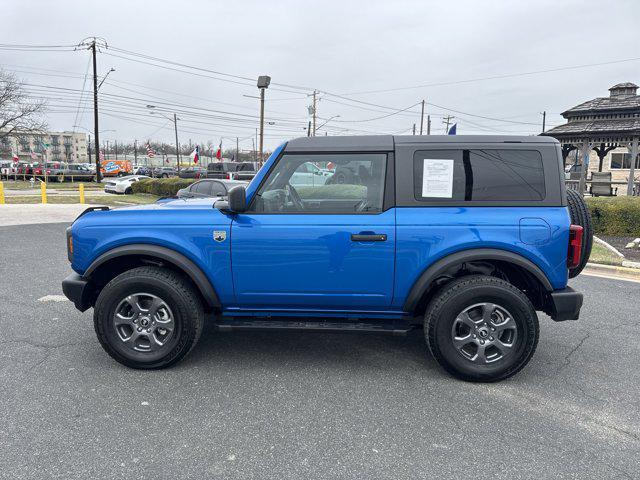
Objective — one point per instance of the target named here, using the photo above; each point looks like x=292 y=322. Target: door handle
x=368 y=237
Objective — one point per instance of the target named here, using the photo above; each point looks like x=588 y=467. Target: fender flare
x=432 y=272
x=187 y=266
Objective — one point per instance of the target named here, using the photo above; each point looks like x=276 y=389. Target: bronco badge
x=219 y=235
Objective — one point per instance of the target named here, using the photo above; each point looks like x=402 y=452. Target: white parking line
x=53 y=298
x=610 y=277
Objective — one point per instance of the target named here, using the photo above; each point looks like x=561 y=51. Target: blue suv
x=465 y=237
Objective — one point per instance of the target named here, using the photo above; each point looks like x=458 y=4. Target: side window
x=201 y=188
x=217 y=189
x=356 y=185
x=483 y=175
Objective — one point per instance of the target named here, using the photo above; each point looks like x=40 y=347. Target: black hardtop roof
x=388 y=142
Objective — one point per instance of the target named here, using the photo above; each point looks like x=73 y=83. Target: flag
x=33 y=155
x=102 y=155
x=150 y=152
x=195 y=155
x=452 y=130
x=219 y=152
x=15 y=158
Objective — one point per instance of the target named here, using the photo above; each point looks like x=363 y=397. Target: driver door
x=327 y=246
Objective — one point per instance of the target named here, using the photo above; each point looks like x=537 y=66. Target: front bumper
x=76 y=289
x=565 y=304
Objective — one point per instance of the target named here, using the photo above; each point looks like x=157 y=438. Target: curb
x=613 y=270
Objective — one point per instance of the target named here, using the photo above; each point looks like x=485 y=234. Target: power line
x=496 y=77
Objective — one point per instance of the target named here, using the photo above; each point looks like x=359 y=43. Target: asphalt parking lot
x=303 y=405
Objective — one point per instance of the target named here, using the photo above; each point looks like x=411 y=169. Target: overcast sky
x=340 y=47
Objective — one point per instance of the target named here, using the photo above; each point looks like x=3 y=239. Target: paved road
x=297 y=405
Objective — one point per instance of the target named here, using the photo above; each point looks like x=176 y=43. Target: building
x=604 y=134
x=51 y=146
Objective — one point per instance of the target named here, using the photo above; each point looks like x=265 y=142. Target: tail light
x=228 y=176
x=48 y=172
x=575 y=246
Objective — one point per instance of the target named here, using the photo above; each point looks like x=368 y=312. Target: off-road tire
x=454 y=298
x=175 y=290
x=580 y=215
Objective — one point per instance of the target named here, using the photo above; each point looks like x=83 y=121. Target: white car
x=308 y=174
x=122 y=184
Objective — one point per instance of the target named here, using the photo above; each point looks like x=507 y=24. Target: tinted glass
x=478 y=175
x=356 y=186
x=218 y=189
x=201 y=188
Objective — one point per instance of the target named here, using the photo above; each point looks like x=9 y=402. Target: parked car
x=51 y=171
x=245 y=171
x=7 y=167
x=164 y=172
x=308 y=174
x=221 y=170
x=463 y=237
x=24 y=169
x=122 y=184
x=79 y=172
x=209 y=188
x=142 y=170
x=193 y=172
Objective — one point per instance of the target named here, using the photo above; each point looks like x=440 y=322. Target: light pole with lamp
x=175 y=126
x=327 y=121
x=263 y=84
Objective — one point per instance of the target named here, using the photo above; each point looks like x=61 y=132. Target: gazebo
x=602 y=125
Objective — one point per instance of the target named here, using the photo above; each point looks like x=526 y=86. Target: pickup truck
x=464 y=237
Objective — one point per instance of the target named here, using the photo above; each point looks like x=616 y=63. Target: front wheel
x=481 y=329
x=148 y=318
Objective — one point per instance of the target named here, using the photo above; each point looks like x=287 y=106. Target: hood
x=197 y=211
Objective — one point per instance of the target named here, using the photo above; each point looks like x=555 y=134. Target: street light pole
x=175 y=126
x=95 y=111
x=263 y=84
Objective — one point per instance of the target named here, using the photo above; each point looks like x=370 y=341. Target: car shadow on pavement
x=272 y=348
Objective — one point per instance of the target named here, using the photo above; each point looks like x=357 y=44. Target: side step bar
x=393 y=328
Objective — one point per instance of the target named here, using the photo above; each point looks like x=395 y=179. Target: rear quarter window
x=478 y=175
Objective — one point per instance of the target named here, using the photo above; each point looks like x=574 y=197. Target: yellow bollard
x=1 y=193
x=43 y=192
x=81 y=188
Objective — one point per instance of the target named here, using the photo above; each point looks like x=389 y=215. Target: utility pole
x=414 y=128
x=422 y=117
x=309 y=129
x=314 y=112
x=95 y=110
x=89 y=148
x=135 y=152
x=107 y=150
x=544 y=120
x=447 y=120
x=253 y=144
x=237 y=149
x=175 y=126
x=115 y=146
x=428 y=124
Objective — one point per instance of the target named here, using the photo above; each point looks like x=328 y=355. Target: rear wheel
x=128 y=191
x=481 y=329
x=148 y=318
x=580 y=215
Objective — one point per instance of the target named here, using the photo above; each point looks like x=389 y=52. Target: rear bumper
x=565 y=304
x=76 y=289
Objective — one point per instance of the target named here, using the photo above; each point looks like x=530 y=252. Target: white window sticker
x=437 y=178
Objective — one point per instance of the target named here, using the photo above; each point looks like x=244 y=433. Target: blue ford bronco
x=464 y=236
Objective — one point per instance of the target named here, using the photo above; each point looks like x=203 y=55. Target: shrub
x=615 y=216
x=162 y=187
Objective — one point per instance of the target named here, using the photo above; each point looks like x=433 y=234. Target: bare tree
x=18 y=112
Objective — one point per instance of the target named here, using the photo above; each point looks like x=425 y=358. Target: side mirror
x=238 y=199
